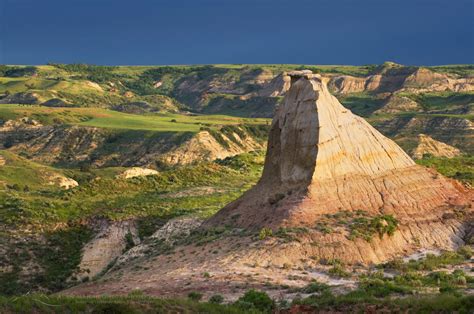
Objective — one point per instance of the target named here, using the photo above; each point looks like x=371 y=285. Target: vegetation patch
x=359 y=224
x=255 y=300
x=133 y=303
x=431 y=261
x=460 y=168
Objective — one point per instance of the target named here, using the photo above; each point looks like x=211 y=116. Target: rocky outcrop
x=397 y=104
x=174 y=230
x=400 y=78
x=74 y=145
x=452 y=130
x=348 y=84
x=322 y=159
x=25 y=122
x=51 y=144
x=205 y=146
x=111 y=240
x=278 y=86
x=27 y=98
x=61 y=181
x=137 y=172
x=431 y=147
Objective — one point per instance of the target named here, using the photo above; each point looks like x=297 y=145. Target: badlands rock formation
x=75 y=145
x=109 y=243
x=61 y=181
x=396 y=104
x=322 y=159
x=435 y=148
x=137 y=172
x=204 y=146
x=391 y=77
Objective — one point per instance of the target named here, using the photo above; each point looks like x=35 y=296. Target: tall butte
x=322 y=159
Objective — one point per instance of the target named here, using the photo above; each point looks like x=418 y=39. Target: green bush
x=216 y=299
x=366 y=227
x=265 y=233
x=338 y=270
x=381 y=288
x=315 y=287
x=195 y=296
x=253 y=299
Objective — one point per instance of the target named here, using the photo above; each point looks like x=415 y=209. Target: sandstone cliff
x=322 y=159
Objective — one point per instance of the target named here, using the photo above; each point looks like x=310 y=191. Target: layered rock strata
x=322 y=159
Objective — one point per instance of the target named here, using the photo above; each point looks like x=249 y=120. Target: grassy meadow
x=104 y=118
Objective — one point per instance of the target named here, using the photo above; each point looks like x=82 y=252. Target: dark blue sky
x=236 y=31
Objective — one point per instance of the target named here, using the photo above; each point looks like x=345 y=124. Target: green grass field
x=20 y=171
x=104 y=118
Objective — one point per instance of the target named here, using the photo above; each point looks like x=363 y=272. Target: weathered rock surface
x=322 y=159
x=74 y=145
x=61 y=181
x=396 y=104
x=169 y=233
x=137 y=172
x=106 y=247
x=278 y=86
x=398 y=78
x=204 y=146
x=176 y=228
x=429 y=146
x=455 y=131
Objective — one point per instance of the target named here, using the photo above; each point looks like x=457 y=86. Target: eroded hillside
x=93 y=153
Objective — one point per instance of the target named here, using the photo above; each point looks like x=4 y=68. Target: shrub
x=135 y=293
x=9 y=142
x=216 y=299
x=315 y=286
x=265 y=233
x=256 y=299
x=15 y=187
x=382 y=288
x=365 y=227
x=195 y=296
x=85 y=167
x=465 y=251
x=338 y=271
x=129 y=243
x=322 y=227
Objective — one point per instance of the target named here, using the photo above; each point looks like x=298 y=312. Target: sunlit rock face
x=321 y=159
